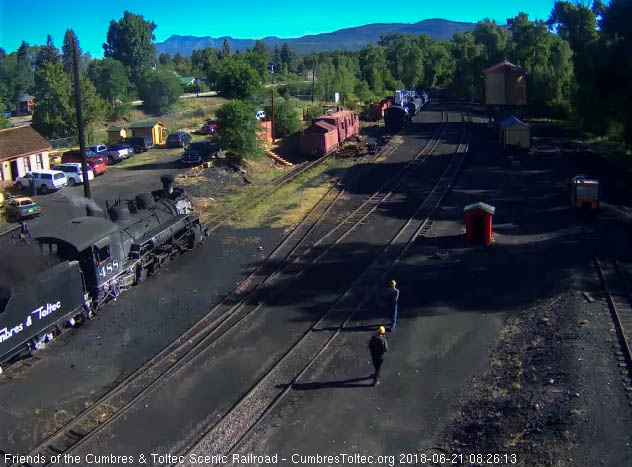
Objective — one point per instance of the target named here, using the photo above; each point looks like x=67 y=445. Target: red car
x=210 y=127
x=96 y=163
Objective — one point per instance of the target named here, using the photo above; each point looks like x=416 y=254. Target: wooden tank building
x=504 y=85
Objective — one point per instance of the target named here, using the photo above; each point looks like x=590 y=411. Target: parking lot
x=140 y=173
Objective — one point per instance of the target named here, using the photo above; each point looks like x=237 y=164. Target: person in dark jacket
x=378 y=347
x=393 y=297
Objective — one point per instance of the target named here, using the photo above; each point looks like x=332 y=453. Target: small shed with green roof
x=478 y=223
x=150 y=129
x=116 y=133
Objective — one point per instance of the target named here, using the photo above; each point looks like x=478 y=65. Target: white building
x=22 y=149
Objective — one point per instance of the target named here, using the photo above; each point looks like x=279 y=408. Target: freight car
x=97 y=258
x=328 y=132
x=396 y=117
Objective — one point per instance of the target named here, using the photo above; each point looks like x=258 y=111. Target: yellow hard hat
x=393 y=283
x=381 y=330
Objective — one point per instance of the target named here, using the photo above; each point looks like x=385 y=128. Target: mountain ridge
x=352 y=38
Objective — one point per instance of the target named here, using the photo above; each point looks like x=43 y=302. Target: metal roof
x=480 y=206
x=501 y=66
x=511 y=121
x=144 y=124
x=81 y=232
x=20 y=141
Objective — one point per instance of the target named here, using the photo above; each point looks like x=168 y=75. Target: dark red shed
x=478 y=223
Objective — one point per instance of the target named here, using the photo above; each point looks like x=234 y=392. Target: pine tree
x=67 y=51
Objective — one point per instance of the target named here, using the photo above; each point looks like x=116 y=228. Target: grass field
x=286 y=206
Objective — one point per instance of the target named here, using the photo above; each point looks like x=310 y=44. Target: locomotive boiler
x=97 y=258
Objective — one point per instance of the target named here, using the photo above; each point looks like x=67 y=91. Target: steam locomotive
x=97 y=258
x=407 y=105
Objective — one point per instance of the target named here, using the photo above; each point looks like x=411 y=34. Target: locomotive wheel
x=141 y=275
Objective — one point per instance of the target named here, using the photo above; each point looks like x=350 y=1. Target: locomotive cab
x=92 y=241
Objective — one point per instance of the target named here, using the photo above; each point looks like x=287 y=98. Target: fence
x=62 y=143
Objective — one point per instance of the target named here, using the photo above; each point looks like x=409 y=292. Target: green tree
x=160 y=90
x=47 y=53
x=52 y=114
x=131 y=41
x=286 y=118
x=469 y=60
x=547 y=60
x=373 y=67
x=494 y=39
x=165 y=59
x=23 y=77
x=237 y=128
x=67 y=51
x=110 y=80
x=225 y=53
x=4 y=121
x=236 y=78
x=93 y=108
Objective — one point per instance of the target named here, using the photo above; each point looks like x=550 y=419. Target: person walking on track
x=393 y=297
x=378 y=347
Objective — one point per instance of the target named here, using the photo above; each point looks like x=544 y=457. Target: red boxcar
x=345 y=121
x=376 y=109
x=319 y=139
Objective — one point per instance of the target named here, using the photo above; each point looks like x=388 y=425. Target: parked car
x=97 y=148
x=199 y=152
x=179 y=139
x=73 y=172
x=44 y=180
x=210 y=127
x=139 y=143
x=260 y=115
x=115 y=153
x=96 y=163
x=125 y=147
x=17 y=209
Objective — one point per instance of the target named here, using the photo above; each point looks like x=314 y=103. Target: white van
x=44 y=180
x=73 y=172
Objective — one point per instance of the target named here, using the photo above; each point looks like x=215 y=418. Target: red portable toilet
x=478 y=223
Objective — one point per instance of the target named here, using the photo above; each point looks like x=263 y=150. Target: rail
x=226 y=434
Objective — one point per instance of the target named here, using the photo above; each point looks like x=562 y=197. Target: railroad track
x=242 y=301
x=275 y=184
x=226 y=434
x=616 y=285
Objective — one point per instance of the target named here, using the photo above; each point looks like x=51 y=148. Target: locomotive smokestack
x=167 y=185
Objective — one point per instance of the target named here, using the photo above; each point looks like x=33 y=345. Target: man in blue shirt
x=393 y=296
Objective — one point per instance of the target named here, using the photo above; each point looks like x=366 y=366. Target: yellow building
x=153 y=130
x=505 y=84
x=22 y=150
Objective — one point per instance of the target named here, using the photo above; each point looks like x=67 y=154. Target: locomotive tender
x=99 y=258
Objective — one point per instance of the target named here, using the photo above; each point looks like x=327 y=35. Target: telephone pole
x=82 y=136
x=273 y=136
x=313 y=75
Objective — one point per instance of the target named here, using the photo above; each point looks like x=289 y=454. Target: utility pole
x=82 y=135
x=273 y=136
x=313 y=75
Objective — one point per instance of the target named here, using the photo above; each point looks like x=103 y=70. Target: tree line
x=577 y=66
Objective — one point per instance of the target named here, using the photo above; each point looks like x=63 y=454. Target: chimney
x=167 y=185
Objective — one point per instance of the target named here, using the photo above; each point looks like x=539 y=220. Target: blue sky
x=31 y=20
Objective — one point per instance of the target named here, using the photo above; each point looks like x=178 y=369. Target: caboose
x=584 y=193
